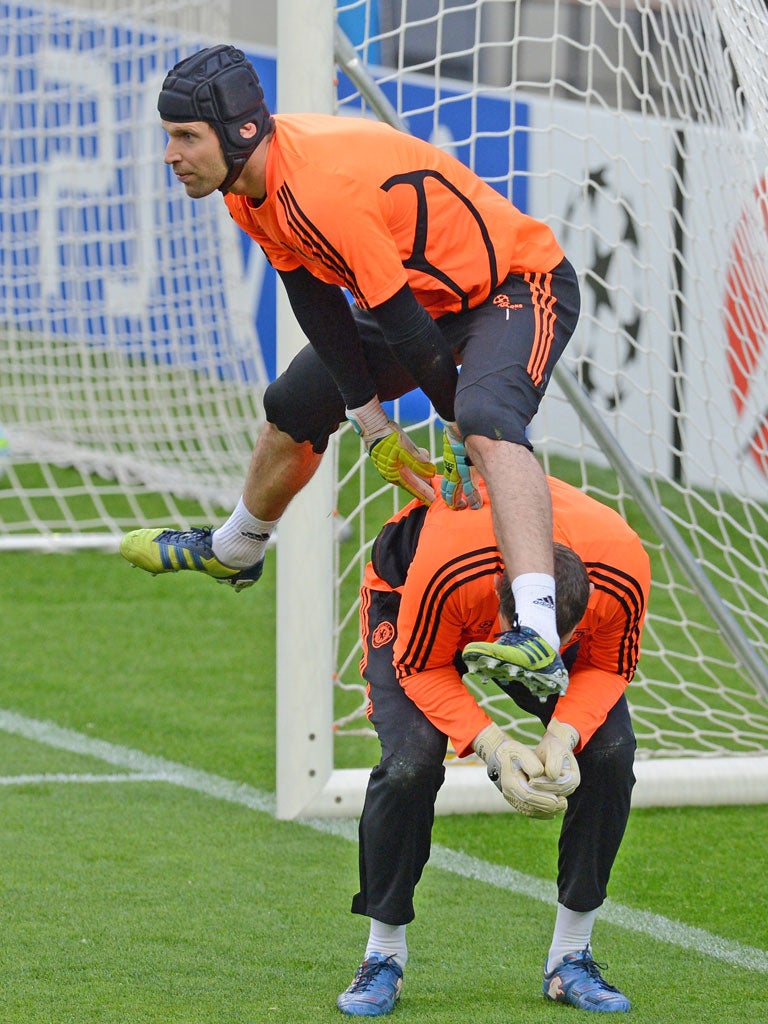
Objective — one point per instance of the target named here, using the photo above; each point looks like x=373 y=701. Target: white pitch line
x=36 y=780
x=148 y=768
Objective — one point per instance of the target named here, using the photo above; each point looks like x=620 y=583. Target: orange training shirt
x=448 y=599
x=367 y=207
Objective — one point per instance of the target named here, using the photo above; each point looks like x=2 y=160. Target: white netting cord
x=130 y=361
x=663 y=211
x=744 y=24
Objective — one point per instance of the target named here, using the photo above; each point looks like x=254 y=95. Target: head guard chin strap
x=218 y=85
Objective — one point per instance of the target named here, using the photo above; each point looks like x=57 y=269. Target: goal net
x=130 y=368
x=638 y=131
x=137 y=329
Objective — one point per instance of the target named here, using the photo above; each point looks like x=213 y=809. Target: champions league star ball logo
x=746 y=323
x=601 y=236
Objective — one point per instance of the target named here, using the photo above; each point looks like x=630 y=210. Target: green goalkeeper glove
x=514 y=768
x=392 y=452
x=458 y=487
x=555 y=751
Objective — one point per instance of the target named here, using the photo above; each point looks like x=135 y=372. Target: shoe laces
x=197 y=536
x=593 y=969
x=368 y=971
x=514 y=627
x=196 y=533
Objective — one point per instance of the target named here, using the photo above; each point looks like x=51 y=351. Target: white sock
x=242 y=540
x=572 y=934
x=534 y=594
x=388 y=939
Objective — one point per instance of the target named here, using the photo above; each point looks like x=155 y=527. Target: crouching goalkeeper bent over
x=434 y=584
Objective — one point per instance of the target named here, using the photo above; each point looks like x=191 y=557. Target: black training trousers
x=396 y=824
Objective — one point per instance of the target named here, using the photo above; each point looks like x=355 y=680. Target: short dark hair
x=571 y=590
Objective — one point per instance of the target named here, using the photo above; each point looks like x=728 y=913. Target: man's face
x=195 y=156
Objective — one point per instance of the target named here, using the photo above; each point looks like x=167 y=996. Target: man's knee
x=495 y=408
x=607 y=773
x=481 y=431
x=616 y=732
x=301 y=420
x=408 y=774
x=612 y=760
x=607 y=760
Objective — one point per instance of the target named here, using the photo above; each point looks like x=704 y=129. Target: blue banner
x=98 y=242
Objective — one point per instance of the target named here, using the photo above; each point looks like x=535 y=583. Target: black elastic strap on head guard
x=218 y=85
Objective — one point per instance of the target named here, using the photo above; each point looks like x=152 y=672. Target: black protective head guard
x=218 y=85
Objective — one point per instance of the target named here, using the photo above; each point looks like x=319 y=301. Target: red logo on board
x=746 y=322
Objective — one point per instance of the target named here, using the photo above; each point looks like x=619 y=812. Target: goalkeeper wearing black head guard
x=443 y=272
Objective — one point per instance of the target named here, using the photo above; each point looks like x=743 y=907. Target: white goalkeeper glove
x=514 y=768
x=555 y=751
x=458 y=488
x=392 y=452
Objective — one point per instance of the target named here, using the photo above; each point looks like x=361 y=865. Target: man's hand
x=514 y=768
x=555 y=751
x=392 y=452
x=458 y=487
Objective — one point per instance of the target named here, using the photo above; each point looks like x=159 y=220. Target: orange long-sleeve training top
x=370 y=208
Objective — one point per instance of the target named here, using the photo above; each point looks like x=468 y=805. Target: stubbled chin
x=196 y=191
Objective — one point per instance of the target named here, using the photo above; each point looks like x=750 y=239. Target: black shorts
x=506 y=349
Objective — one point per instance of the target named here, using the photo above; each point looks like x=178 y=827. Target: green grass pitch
x=145 y=879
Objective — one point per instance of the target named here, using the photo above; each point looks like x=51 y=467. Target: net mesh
x=638 y=132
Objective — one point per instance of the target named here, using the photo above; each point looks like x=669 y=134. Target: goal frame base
x=667 y=782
